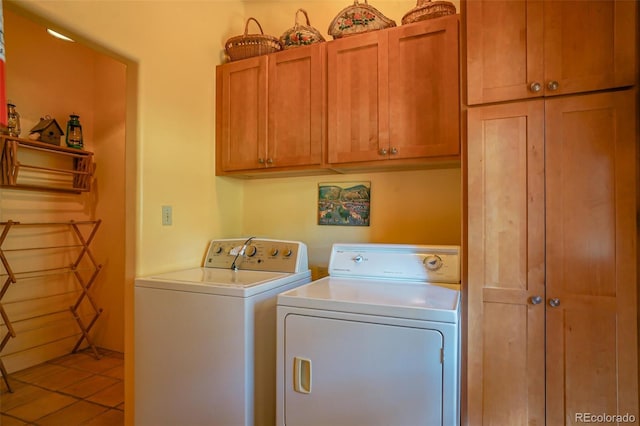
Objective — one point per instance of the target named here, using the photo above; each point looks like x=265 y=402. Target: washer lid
x=400 y=299
x=220 y=281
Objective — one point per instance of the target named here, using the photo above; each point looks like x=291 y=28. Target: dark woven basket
x=249 y=45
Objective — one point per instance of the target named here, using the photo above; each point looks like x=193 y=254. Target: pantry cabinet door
x=522 y=49
x=296 y=82
x=424 y=96
x=358 y=96
x=591 y=256
x=589 y=45
x=504 y=42
x=241 y=115
x=505 y=284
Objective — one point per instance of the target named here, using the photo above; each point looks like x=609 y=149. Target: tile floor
x=75 y=389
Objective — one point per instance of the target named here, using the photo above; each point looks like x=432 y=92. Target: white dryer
x=376 y=342
x=205 y=337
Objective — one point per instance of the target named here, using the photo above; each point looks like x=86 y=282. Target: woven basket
x=427 y=9
x=300 y=35
x=249 y=45
x=358 y=18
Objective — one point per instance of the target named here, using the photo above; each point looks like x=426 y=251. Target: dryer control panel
x=257 y=254
x=434 y=264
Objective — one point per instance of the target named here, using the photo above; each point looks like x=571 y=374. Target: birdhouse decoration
x=47 y=130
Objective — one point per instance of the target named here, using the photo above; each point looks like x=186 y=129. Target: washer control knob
x=217 y=249
x=358 y=259
x=433 y=262
x=274 y=251
x=250 y=251
x=287 y=252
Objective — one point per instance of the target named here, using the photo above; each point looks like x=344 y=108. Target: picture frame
x=344 y=203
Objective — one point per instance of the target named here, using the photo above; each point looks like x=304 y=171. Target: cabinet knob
x=261 y=160
x=383 y=151
x=394 y=151
x=554 y=303
x=553 y=85
x=535 y=87
x=269 y=160
x=536 y=300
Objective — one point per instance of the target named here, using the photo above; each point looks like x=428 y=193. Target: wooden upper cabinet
x=270 y=111
x=424 y=89
x=241 y=119
x=295 y=111
x=531 y=48
x=357 y=96
x=394 y=94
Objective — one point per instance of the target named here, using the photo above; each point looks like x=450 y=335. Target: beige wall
x=174 y=47
x=413 y=207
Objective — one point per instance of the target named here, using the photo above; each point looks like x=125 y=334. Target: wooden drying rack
x=12 y=277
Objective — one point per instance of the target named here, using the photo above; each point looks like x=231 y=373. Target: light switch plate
x=167 y=216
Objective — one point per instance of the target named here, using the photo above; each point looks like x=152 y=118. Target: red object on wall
x=3 y=93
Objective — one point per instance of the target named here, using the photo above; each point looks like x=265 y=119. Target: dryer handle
x=302 y=375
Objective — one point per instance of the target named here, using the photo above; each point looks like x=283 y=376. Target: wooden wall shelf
x=34 y=165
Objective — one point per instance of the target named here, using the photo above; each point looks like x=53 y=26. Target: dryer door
x=343 y=372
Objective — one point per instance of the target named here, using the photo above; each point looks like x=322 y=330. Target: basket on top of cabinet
x=248 y=45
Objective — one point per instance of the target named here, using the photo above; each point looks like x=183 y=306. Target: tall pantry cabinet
x=551 y=176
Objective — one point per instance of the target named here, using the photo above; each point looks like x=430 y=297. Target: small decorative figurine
x=47 y=130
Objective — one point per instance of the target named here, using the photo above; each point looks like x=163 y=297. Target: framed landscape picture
x=344 y=203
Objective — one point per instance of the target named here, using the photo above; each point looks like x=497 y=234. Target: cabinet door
x=504 y=41
x=580 y=45
x=241 y=114
x=591 y=258
x=589 y=45
x=505 y=186
x=296 y=107
x=358 y=93
x=424 y=94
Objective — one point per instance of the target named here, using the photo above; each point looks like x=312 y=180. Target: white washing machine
x=377 y=342
x=205 y=337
